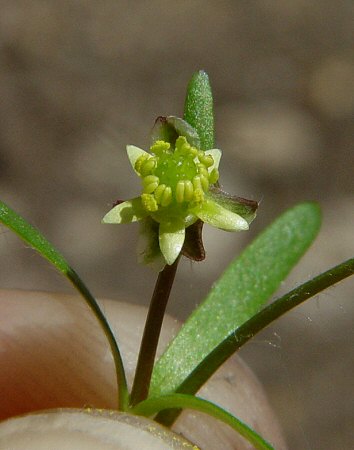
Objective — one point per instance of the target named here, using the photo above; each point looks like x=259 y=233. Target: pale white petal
x=171 y=238
x=217 y=216
x=134 y=153
x=126 y=212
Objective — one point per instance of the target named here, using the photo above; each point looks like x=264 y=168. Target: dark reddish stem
x=151 y=334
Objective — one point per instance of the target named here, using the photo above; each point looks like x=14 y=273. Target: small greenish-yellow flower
x=178 y=189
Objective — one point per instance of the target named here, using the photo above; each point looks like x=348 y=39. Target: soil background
x=81 y=79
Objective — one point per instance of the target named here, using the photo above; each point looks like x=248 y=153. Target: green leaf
x=38 y=242
x=151 y=406
x=238 y=295
x=198 y=109
x=262 y=319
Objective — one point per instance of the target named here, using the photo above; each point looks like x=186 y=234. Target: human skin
x=54 y=354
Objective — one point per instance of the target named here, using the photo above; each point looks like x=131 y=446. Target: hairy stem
x=151 y=334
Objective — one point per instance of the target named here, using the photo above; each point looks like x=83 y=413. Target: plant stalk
x=151 y=334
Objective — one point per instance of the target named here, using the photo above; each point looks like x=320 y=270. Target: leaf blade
x=262 y=319
x=198 y=109
x=239 y=294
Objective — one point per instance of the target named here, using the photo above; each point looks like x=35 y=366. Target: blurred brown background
x=81 y=79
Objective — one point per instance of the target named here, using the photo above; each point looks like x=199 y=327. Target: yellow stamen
x=149 y=202
x=204 y=182
x=166 y=197
x=180 y=191
x=159 y=191
x=150 y=183
x=188 y=190
x=214 y=176
x=160 y=147
x=140 y=161
x=148 y=166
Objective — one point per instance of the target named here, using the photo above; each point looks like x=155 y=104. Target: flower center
x=173 y=179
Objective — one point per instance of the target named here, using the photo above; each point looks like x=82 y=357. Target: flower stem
x=151 y=334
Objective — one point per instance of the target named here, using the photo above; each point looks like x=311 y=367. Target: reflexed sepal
x=193 y=247
x=126 y=212
x=148 y=248
x=241 y=206
x=217 y=216
x=171 y=238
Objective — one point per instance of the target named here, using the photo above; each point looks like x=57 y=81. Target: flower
x=178 y=189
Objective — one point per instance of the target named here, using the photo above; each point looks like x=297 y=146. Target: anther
x=182 y=146
x=159 y=147
x=206 y=160
x=180 y=191
x=166 y=197
x=158 y=192
x=148 y=166
x=150 y=183
x=140 y=162
x=197 y=183
x=202 y=170
x=188 y=190
x=198 y=194
x=204 y=182
x=193 y=152
x=149 y=202
x=214 y=176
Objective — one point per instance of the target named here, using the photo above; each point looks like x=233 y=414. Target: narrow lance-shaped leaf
x=198 y=109
x=39 y=243
x=262 y=319
x=240 y=293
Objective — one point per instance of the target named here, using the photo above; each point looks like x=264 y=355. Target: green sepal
x=238 y=205
x=171 y=239
x=217 y=216
x=148 y=249
x=126 y=212
x=193 y=247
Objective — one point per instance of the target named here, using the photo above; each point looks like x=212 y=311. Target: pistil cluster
x=174 y=180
